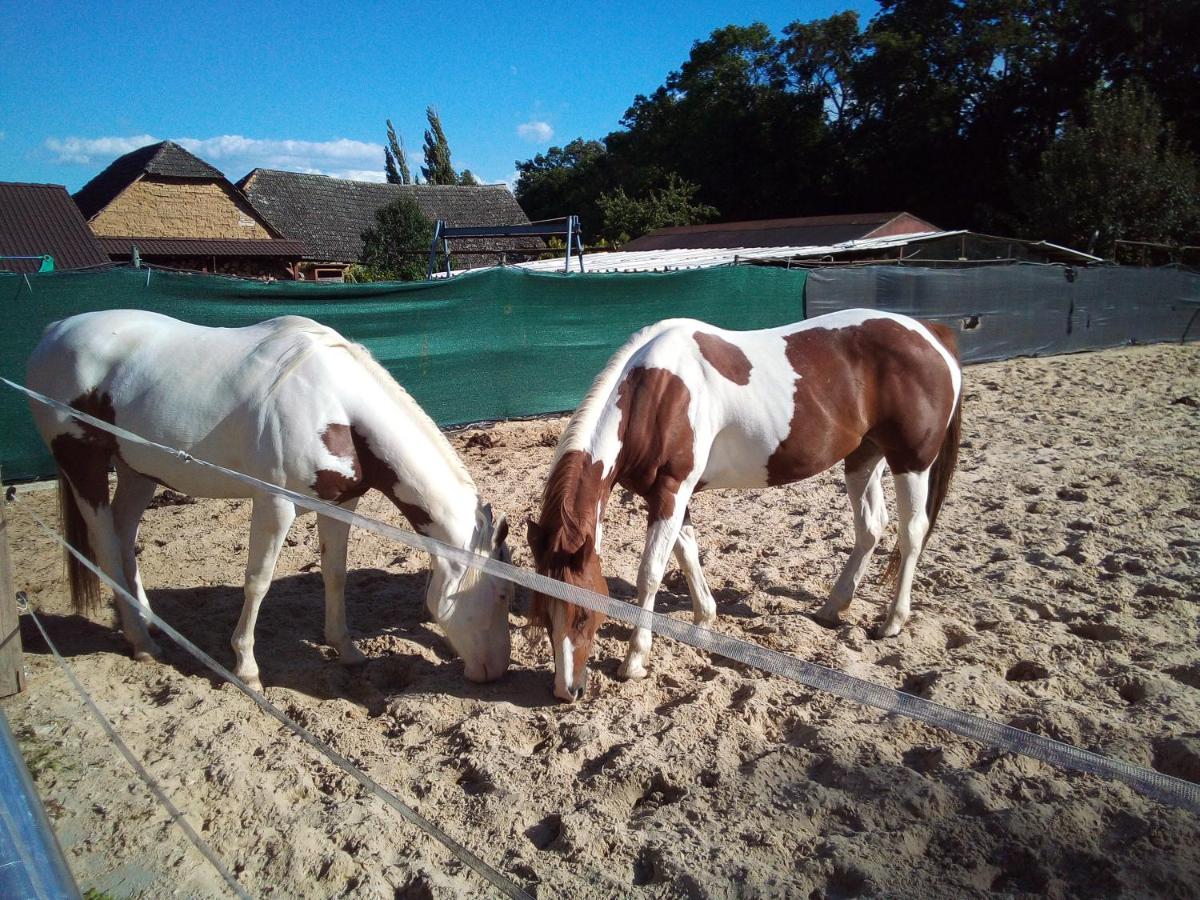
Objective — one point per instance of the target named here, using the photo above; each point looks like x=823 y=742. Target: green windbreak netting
x=492 y=344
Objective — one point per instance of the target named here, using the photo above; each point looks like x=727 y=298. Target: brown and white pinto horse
x=292 y=403
x=684 y=406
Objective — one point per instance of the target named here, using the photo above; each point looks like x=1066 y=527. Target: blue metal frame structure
x=567 y=227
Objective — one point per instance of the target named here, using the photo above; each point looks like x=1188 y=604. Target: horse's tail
x=85 y=586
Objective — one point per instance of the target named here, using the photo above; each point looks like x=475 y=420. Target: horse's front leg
x=661 y=537
x=687 y=553
x=269 y=523
x=335 y=536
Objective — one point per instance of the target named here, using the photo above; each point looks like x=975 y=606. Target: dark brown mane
x=569 y=505
x=563 y=539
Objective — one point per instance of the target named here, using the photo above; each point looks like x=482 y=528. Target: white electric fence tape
x=1165 y=788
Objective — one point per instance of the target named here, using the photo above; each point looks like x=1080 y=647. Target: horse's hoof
x=352 y=656
x=253 y=682
x=632 y=672
x=887 y=630
x=828 y=618
x=705 y=621
x=151 y=653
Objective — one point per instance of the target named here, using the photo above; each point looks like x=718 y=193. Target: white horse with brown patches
x=288 y=401
x=684 y=406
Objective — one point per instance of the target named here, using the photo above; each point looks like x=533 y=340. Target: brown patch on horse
x=728 y=359
x=657 y=439
x=859 y=384
x=348 y=443
x=330 y=484
x=85 y=458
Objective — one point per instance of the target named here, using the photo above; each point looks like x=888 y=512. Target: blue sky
x=307 y=86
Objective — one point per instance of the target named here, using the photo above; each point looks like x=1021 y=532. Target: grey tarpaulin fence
x=1023 y=310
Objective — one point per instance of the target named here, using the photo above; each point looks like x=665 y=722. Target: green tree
x=1117 y=172
x=437 y=168
x=729 y=121
x=672 y=204
x=565 y=181
x=395 y=248
x=395 y=163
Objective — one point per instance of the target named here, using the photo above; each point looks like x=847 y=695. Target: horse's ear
x=536 y=538
x=500 y=535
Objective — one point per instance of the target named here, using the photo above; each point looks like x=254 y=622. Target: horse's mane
x=412 y=409
x=308 y=336
x=559 y=510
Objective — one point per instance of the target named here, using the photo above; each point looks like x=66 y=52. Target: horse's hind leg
x=864 y=487
x=269 y=523
x=335 y=536
x=129 y=504
x=687 y=553
x=912 y=489
x=84 y=465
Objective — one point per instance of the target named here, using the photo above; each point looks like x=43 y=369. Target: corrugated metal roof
x=224 y=247
x=38 y=219
x=669 y=260
x=795 y=232
x=330 y=214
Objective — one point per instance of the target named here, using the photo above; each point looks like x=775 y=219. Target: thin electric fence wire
x=176 y=815
x=1165 y=788
x=493 y=877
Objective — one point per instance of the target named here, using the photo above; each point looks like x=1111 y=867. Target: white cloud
x=87 y=150
x=236 y=155
x=535 y=132
x=360 y=174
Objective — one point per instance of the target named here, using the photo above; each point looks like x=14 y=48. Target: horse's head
x=572 y=629
x=471 y=606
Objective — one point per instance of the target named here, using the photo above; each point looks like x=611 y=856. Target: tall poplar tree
x=395 y=164
x=437 y=168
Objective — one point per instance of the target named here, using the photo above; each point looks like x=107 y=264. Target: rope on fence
x=1165 y=788
x=155 y=788
x=493 y=877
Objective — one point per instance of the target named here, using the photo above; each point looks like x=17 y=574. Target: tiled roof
x=37 y=219
x=330 y=214
x=222 y=247
x=799 y=232
x=165 y=158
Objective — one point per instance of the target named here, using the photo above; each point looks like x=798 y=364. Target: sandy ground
x=1060 y=595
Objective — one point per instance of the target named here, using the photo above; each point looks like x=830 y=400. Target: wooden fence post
x=12 y=666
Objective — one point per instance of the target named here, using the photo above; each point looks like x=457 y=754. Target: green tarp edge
x=492 y=344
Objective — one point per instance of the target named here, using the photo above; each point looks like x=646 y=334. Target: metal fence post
x=12 y=667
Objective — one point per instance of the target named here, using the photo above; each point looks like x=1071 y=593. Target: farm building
x=39 y=220
x=329 y=215
x=179 y=211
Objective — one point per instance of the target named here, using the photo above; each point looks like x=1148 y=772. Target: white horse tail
x=85 y=586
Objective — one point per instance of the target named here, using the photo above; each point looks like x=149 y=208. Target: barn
x=169 y=207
